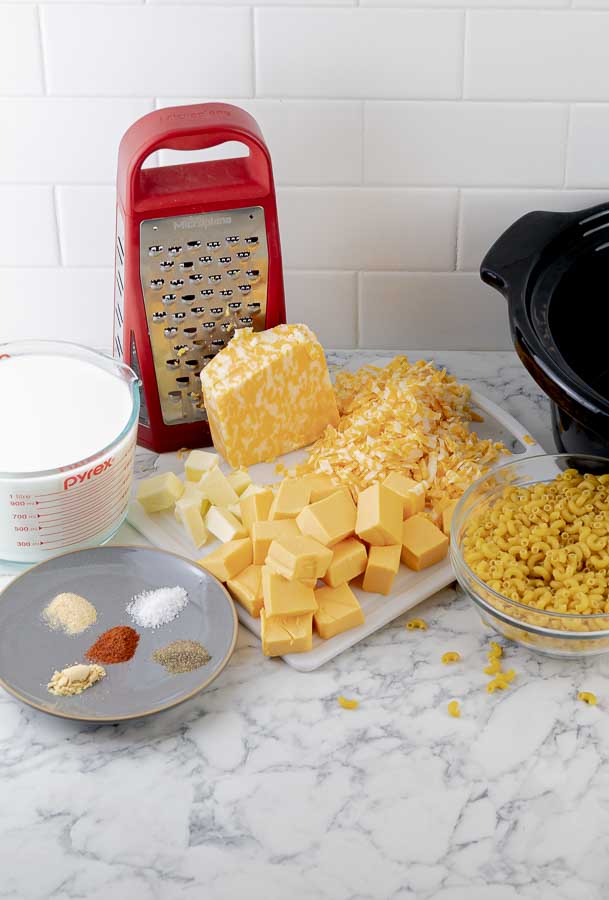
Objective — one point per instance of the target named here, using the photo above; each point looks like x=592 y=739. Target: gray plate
x=108 y=577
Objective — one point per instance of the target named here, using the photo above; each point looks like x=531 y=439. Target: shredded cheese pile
x=406 y=418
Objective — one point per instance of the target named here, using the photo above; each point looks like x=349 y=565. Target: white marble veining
x=264 y=788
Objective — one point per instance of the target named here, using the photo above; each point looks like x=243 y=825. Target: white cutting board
x=409 y=587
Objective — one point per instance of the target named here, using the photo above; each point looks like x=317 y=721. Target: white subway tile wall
x=406 y=135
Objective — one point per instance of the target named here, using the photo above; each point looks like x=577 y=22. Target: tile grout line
x=458 y=229
x=358 y=308
x=464 y=48
x=58 y=241
x=42 y=53
x=568 y=136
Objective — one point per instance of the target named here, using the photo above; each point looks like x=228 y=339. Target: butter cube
x=159 y=492
x=383 y=565
x=224 y=525
x=255 y=507
x=321 y=486
x=329 y=520
x=379 y=516
x=299 y=558
x=192 y=492
x=246 y=589
x=228 y=560
x=214 y=485
x=292 y=496
x=286 y=598
x=338 y=611
x=239 y=480
x=411 y=492
x=188 y=514
x=198 y=462
x=286 y=634
x=267 y=393
x=263 y=533
x=423 y=543
x=348 y=561
x=447 y=516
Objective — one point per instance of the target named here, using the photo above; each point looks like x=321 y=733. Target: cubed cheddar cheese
x=286 y=634
x=379 y=516
x=255 y=507
x=246 y=589
x=383 y=565
x=321 y=486
x=292 y=496
x=198 y=462
x=191 y=491
x=159 y=492
x=286 y=598
x=188 y=514
x=447 y=516
x=329 y=520
x=338 y=611
x=348 y=561
x=239 y=480
x=224 y=525
x=411 y=493
x=263 y=533
x=299 y=558
x=228 y=560
x=268 y=393
x=215 y=486
x=252 y=489
x=423 y=544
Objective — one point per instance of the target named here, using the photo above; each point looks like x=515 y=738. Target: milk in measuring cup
x=66 y=454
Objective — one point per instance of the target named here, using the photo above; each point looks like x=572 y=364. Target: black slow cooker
x=553 y=270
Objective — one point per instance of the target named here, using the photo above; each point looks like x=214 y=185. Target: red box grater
x=197 y=256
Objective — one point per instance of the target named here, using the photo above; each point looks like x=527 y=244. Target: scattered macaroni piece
x=416 y=623
x=496 y=651
x=587 y=697
x=451 y=657
x=454 y=709
x=493 y=667
x=501 y=681
x=348 y=704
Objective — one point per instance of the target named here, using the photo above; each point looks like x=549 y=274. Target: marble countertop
x=264 y=788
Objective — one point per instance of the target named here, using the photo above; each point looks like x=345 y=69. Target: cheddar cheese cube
x=228 y=560
x=286 y=598
x=292 y=496
x=379 y=516
x=268 y=393
x=447 y=516
x=338 y=611
x=224 y=525
x=239 y=480
x=411 y=493
x=383 y=565
x=329 y=520
x=299 y=558
x=263 y=533
x=188 y=514
x=321 y=486
x=252 y=489
x=348 y=561
x=159 y=492
x=191 y=492
x=423 y=544
x=215 y=486
x=198 y=462
x=255 y=507
x=246 y=589
x=286 y=634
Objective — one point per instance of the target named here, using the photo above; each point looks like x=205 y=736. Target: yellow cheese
x=329 y=520
x=299 y=558
x=228 y=560
x=191 y=491
x=348 y=561
x=246 y=588
x=252 y=489
x=198 y=462
x=235 y=509
x=267 y=393
x=423 y=543
x=224 y=525
x=321 y=486
x=411 y=493
x=379 y=516
x=286 y=598
x=239 y=480
x=338 y=611
x=255 y=507
x=265 y=532
x=188 y=514
x=383 y=564
x=159 y=492
x=215 y=486
x=292 y=496
x=286 y=634
x=447 y=516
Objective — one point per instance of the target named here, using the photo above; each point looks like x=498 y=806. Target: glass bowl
x=551 y=633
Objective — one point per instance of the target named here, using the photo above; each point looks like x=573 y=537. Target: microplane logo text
x=204 y=222
x=86 y=476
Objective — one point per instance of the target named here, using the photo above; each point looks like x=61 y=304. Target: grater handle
x=193 y=127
